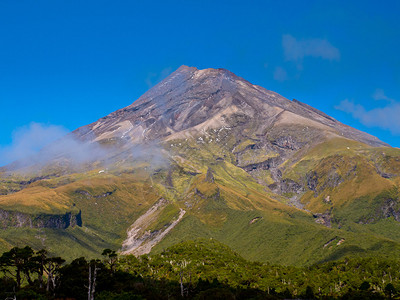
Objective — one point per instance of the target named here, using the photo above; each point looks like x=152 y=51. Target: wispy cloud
x=296 y=49
x=39 y=143
x=280 y=74
x=386 y=117
x=379 y=94
x=28 y=140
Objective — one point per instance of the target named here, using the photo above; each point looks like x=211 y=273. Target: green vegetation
x=338 y=178
x=200 y=269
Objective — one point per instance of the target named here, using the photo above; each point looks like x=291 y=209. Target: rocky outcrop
x=140 y=240
x=209 y=176
x=324 y=219
x=382 y=173
x=200 y=194
x=287 y=142
x=290 y=186
x=286 y=186
x=89 y=195
x=268 y=164
x=389 y=208
x=254 y=220
x=15 y=219
x=312 y=181
x=333 y=180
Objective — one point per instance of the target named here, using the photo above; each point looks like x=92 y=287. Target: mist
x=28 y=140
x=150 y=152
x=38 y=145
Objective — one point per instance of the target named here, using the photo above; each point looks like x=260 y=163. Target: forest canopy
x=200 y=269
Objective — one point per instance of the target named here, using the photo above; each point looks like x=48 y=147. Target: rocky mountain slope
x=205 y=153
x=191 y=101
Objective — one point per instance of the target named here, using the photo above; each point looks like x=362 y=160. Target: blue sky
x=65 y=64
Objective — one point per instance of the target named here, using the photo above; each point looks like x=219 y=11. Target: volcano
x=207 y=154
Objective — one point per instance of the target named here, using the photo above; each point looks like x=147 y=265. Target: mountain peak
x=197 y=73
x=231 y=156
x=191 y=101
x=185 y=68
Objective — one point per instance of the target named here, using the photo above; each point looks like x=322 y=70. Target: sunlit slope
x=251 y=219
x=350 y=181
x=206 y=153
x=222 y=201
x=107 y=202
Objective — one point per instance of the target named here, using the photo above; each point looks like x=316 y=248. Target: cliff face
x=9 y=219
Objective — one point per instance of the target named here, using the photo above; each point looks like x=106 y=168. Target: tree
x=21 y=259
x=52 y=268
x=40 y=259
x=365 y=286
x=309 y=294
x=73 y=279
x=110 y=259
x=92 y=278
x=390 y=290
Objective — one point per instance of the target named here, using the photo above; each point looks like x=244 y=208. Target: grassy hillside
x=349 y=194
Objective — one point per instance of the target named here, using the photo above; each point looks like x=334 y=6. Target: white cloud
x=379 y=94
x=28 y=140
x=36 y=144
x=295 y=50
x=280 y=74
x=383 y=117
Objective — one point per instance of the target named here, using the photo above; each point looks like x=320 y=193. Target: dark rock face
x=324 y=219
x=317 y=184
x=290 y=186
x=384 y=174
x=312 y=181
x=270 y=163
x=389 y=209
x=28 y=182
x=286 y=186
x=200 y=194
x=209 y=176
x=333 y=180
x=10 y=219
x=287 y=142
